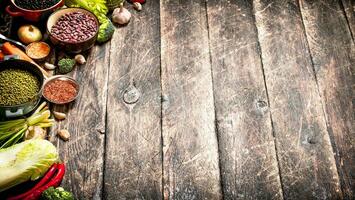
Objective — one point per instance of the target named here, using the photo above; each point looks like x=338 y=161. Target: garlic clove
x=137 y=6
x=49 y=66
x=80 y=59
x=64 y=134
x=59 y=115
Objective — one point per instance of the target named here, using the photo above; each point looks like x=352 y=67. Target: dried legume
x=17 y=87
x=35 y=5
x=74 y=27
x=60 y=91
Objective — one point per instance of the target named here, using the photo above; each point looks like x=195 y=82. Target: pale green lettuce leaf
x=25 y=161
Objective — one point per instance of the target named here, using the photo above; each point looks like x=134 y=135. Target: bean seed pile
x=17 y=87
x=74 y=27
x=35 y=4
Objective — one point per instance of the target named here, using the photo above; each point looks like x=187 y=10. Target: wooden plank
x=349 y=8
x=190 y=149
x=83 y=153
x=332 y=50
x=133 y=167
x=307 y=164
x=247 y=150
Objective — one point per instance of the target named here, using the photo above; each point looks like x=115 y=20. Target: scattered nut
x=59 y=115
x=80 y=59
x=137 y=6
x=64 y=134
x=49 y=66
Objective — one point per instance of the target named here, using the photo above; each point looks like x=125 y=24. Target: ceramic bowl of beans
x=33 y=10
x=73 y=29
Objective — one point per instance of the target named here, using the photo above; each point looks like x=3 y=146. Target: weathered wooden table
x=218 y=99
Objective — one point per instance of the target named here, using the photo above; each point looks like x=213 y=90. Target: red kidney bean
x=74 y=27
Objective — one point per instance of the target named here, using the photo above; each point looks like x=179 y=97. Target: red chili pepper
x=139 y=1
x=55 y=182
x=43 y=181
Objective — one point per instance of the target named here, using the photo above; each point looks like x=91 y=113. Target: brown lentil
x=74 y=27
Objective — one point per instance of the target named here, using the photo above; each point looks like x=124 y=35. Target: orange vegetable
x=2 y=55
x=10 y=49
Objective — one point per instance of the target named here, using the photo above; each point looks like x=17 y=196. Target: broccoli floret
x=56 y=194
x=106 y=31
x=66 y=65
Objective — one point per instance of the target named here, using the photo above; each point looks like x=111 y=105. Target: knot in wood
x=131 y=95
x=261 y=104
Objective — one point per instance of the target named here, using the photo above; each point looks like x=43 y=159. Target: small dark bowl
x=71 y=47
x=25 y=108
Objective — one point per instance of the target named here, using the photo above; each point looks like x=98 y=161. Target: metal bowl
x=64 y=78
x=71 y=47
x=25 y=108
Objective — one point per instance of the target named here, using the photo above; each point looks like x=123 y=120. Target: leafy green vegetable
x=66 y=65
x=56 y=194
x=99 y=8
x=106 y=31
x=25 y=161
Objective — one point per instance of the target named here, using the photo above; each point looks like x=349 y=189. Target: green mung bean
x=17 y=87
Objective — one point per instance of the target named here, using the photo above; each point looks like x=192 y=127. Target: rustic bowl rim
x=61 y=77
x=42 y=10
x=74 y=10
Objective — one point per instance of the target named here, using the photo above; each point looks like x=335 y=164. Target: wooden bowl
x=71 y=47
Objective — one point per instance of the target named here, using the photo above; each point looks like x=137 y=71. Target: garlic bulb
x=121 y=15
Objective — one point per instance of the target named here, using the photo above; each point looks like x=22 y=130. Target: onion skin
x=29 y=33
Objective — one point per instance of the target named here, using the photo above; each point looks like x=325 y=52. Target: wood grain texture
x=307 y=164
x=247 y=150
x=83 y=153
x=190 y=150
x=332 y=51
x=349 y=8
x=133 y=167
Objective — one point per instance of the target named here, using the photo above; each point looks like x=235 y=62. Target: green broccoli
x=106 y=31
x=56 y=194
x=66 y=65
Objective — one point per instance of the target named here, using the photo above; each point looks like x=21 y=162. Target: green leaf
x=28 y=160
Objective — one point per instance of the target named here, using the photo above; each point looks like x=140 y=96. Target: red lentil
x=37 y=50
x=60 y=91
